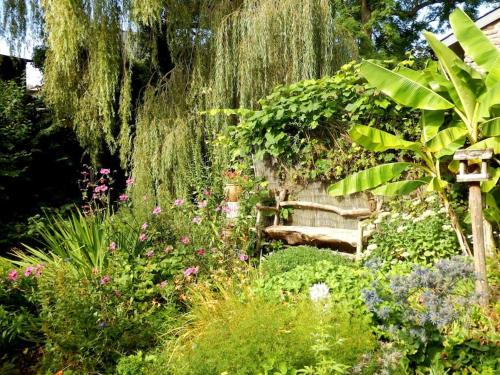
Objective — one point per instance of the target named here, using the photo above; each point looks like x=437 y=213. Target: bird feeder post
x=476 y=211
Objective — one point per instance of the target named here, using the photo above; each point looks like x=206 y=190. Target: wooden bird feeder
x=464 y=156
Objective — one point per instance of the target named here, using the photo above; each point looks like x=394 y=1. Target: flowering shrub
x=415 y=309
x=415 y=231
x=19 y=322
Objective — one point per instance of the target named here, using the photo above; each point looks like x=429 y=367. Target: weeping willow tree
x=134 y=76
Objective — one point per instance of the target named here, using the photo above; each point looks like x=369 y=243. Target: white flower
x=319 y=291
x=406 y=217
x=447 y=227
x=384 y=214
x=378 y=221
x=430 y=199
x=442 y=210
x=370 y=227
x=371 y=247
x=415 y=203
x=400 y=229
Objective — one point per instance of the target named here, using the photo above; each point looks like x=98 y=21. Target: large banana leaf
x=451 y=63
x=403 y=89
x=447 y=137
x=487 y=186
x=489 y=99
x=436 y=184
x=492 y=212
x=473 y=41
x=430 y=121
x=398 y=188
x=367 y=179
x=491 y=128
x=492 y=142
x=377 y=140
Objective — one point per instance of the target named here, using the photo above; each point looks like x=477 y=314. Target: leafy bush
x=413 y=231
x=287 y=259
x=19 y=322
x=344 y=281
x=90 y=321
x=241 y=333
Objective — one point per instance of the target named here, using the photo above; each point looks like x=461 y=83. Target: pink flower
x=112 y=246
x=185 y=240
x=123 y=197
x=178 y=202
x=130 y=181
x=227 y=209
x=217 y=209
x=207 y=193
x=38 y=270
x=144 y=226
x=202 y=204
x=191 y=271
x=168 y=249
x=197 y=220
x=12 y=275
x=243 y=257
x=142 y=237
x=163 y=284
x=28 y=271
x=94 y=270
x=105 y=171
x=200 y=252
x=156 y=210
x=150 y=253
x=100 y=189
x=105 y=279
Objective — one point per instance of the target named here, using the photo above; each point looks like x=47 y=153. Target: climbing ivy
x=302 y=127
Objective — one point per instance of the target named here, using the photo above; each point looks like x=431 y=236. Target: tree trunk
x=366 y=14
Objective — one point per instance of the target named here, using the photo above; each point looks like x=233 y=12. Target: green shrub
x=91 y=320
x=345 y=281
x=414 y=231
x=241 y=333
x=287 y=259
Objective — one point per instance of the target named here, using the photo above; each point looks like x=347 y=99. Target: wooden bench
x=322 y=236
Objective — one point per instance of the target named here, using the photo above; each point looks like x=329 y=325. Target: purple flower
x=178 y=202
x=100 y=189
x=12 y=275
x=156 y=210
x=105 y=279
x=197 y=220
x=123 y=197
x=105 y=171
x=185 y=240
x=150 y=253
x=191 y=271
x=371 y=298
x=243 y=257
x=28 y=271
x=200 y=252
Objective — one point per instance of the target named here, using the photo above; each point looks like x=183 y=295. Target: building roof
x=483 y=21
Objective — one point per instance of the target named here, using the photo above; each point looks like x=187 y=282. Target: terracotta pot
x=232 y=192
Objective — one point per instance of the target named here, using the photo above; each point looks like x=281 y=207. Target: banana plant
x=460 y=106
